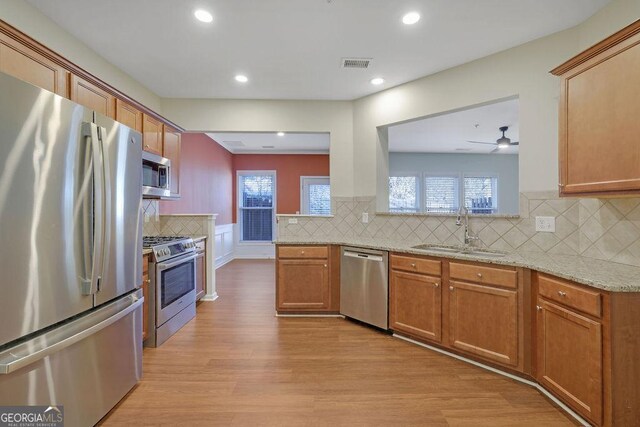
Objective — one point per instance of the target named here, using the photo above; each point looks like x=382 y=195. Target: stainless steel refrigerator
x=71 y=255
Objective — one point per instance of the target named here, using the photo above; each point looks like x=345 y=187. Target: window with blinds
x=315 y=195
x=480 y=194
x=403 y=194
x=256 y=195
x=441 y=194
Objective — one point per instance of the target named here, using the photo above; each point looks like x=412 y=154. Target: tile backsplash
x=607 y=229
x=172 y=225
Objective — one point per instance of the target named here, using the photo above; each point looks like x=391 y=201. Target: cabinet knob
x=560 y=185
x=147 y=281
x=437 y=285
x=480 y=275
x=562 y=294
x=413 y=264
x=146 y=145
x=325 y=265
x=538 y=308
x=451 y=288
x=302 y=252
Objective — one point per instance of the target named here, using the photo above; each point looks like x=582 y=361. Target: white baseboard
x=210 y=297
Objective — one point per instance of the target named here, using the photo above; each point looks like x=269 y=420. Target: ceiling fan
x=502 y=142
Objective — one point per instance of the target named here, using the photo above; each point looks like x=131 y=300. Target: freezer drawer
x=87 y=365
x=364 y=289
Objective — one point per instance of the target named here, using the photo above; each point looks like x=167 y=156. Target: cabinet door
x=201 y=276
x=303 y=285
x=25 y=64
x=171 y=151
x=484 y=321
x=599 y=126
x=569 y=358
x=152 y=131
x=415 y=305
x=128 y=115
x=93 y=97
x=145 y=293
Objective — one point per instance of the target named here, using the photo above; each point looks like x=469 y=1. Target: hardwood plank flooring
x=237 y=364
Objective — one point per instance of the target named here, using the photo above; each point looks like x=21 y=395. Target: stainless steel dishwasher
x=364 y=287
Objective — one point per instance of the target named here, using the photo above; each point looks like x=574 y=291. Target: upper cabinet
x=21 y=62
x=171 y=150
x=128 y=115
x=152 y=134
x=599 y=143
x=91 y=96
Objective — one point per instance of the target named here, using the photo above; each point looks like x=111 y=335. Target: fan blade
x=515 y=143
x=480 y=142
x=494 y=150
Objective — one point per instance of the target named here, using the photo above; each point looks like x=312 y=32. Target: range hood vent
x=358 y=63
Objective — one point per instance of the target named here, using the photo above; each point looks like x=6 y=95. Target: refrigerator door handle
x=12 y=364
x=90 y=131
x=107 y=195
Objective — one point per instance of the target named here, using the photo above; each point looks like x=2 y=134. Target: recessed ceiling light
x=280 y=133
x=411 y=18
x=242 y=78
x=203 y=15
x=377 y=81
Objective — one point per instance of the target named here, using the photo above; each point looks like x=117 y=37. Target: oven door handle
x=179 y=261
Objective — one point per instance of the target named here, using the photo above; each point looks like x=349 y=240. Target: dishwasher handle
x=364 y=256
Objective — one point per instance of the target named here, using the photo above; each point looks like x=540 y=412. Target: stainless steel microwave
x=156 y=176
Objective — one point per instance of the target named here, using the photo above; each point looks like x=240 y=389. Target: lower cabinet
x=201 y=270
x=483 y=320
x=415 y=305
x=145 y=293
x=306 y=279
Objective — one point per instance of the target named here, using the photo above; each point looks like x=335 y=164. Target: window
x=480 y=194
x=315 y=194
x=403 y=194
x=441 y=194
x=256 y=205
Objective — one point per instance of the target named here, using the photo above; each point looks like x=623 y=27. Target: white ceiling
x=449 y=132
x=291 y=49
x=289 y=143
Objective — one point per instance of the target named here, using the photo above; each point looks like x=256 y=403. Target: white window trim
x=419 y=196
x=304 y=195
x=480 y=175
x=240 y=173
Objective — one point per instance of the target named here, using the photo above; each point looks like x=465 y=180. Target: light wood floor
x=237 y=364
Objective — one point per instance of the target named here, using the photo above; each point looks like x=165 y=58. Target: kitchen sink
x=460 y=250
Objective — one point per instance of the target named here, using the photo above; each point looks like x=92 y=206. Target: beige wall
x=31 y=21
x=268 y=116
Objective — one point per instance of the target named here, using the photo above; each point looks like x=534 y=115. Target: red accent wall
x=289 y=168
x=206 y=179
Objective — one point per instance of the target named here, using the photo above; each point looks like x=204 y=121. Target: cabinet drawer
x=585 y=300
x=416 y=265
x=303 y=252
x=200 y=246
x=483 y=274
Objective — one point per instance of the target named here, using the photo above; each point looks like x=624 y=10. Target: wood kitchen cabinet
x=307 y=279
x=128 y=115
x=171 y=150
x=145 y=293
x=92 y=96
x=26 y=64
x=415 y=304
x=599 y=109
x=201 y=269
x=152 y=134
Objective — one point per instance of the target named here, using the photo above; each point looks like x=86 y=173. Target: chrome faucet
x=468 y=237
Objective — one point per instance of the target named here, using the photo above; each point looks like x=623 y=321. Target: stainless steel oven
x=172 y=289
x=156 y=176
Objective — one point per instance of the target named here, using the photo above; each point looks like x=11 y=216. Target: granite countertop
x=198 y=238
x=605 y=275
x=146 y=251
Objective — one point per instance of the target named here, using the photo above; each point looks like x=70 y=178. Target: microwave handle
x=167 y=176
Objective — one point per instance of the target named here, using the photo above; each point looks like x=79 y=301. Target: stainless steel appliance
x=364 y=288
x=70 y=209
x=155 y=176
x=172 y=291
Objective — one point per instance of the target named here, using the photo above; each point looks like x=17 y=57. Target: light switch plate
x=293 y=220
x=546 y=224
x=365 y=217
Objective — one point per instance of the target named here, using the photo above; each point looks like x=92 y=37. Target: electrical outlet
x=546 y=224
x=293 y=220
x=365 y=217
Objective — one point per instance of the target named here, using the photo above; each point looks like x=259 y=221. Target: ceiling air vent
x=268 y=146
x=234 y=143
x=361 y=63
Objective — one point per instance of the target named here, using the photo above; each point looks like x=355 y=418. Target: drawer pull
x=413 y=264
x=538 y=308
x=302 y=252
x=436 y=285
x=562 y=294
x=325 y=265
x=451 y=288
x=480 y=275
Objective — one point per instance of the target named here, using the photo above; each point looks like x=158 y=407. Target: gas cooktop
x=150 y=241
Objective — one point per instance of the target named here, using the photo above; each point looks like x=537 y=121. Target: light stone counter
x=605 y=275
x=146 y=251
